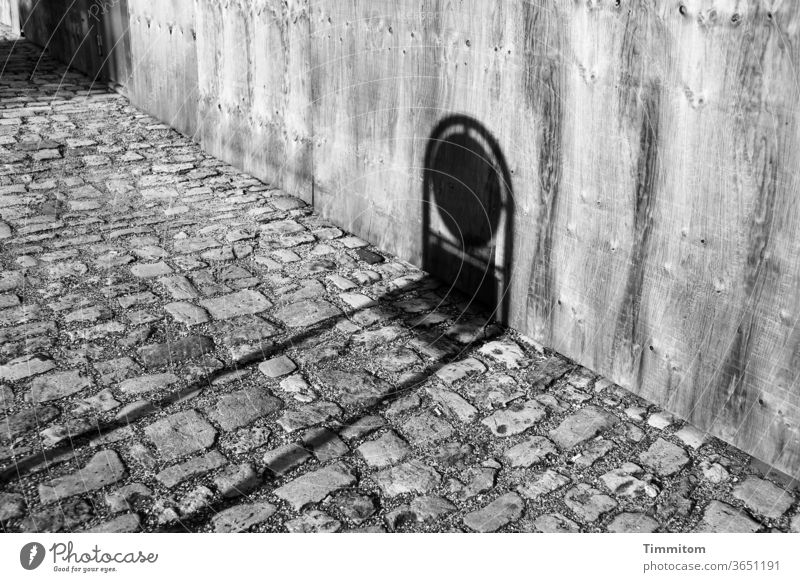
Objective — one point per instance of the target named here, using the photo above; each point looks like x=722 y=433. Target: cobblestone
x=476 y=480
x=426 y=428
x=629 y=522
x=277 y=367
x=127 y=523
x=25 y=367
x=246 y=361
x=356 y=388
x=585 y=424
x=309 y=415
x=57 y=385
x=362 y=427
x=506 y=352
x=354 y=506
x=307 y=313
x=12 y=505
x=315 y=486
x=529 y=452
x=498 y=513
x=171 y=476
x=384 y=451
x=242 y=407
x=720 y=517
x=242 y=517
x=664 y=457
x=187 y=313
x=245 y=302
x=115 y=370
x=593 y=452
x=189 y=348
x=714 y=472
x=517 y=418
x=125 y=498
x=286 y=458
x=543 y=484
x=622 y=483
x=150 y=270
x=411 y=477
x=66 y=516
x=692 y=436
x=587 y=502
x=421 y=510
x=102 y=469
x=459 y=370
x=195 y=501
x=763 y=497
x=149 y=383
x=456 y=406
x=314 y=521
x=14 y=425
x=237 y=480
x=325 y=444
x=180 y=434
x=554 y=523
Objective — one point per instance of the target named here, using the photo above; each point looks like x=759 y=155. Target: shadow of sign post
x=468 y=210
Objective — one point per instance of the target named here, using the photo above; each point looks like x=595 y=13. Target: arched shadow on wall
x=468 y=212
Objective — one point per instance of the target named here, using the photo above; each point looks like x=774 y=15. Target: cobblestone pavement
x=187 y=348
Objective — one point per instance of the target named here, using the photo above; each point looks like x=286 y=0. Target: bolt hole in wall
x=468 y=212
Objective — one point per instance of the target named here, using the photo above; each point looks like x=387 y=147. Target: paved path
x=183 y=347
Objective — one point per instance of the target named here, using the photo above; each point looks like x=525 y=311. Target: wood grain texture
x=651 y=149
x=255 y=88
x=375 y=90
x=653 y=152
x=9 y=14
x=164 y=75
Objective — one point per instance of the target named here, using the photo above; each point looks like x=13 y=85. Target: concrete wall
x=618 y=176
x=255 y=87
x=9 y=14
x=89 y=35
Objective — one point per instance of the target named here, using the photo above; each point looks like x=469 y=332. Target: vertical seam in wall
x=198 y=132
x=312 y=155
